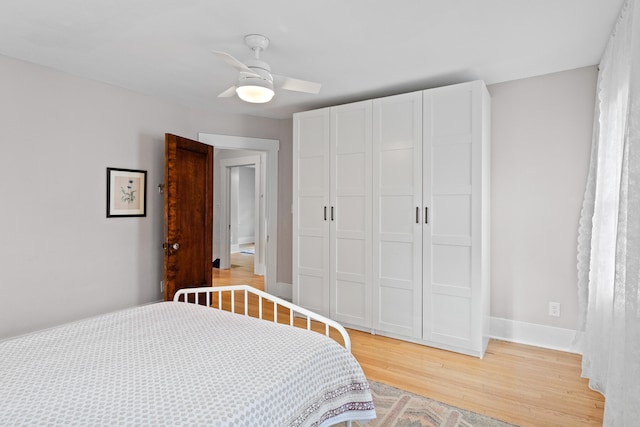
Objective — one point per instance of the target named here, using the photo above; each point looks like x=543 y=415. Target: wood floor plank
x=520 y=384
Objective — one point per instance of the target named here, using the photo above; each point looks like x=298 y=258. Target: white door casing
x=260 y=211
x=270 y=147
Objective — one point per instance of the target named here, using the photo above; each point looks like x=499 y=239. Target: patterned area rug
x=399 y=408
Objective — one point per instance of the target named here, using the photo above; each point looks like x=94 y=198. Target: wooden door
x=188 y=212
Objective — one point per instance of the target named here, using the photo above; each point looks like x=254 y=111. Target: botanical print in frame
x=126 y=192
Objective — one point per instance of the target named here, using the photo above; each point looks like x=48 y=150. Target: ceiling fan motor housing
x=263 y=78
x=261 y=68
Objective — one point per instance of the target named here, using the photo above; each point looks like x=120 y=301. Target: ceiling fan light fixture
x=255 y=81
x=257 y=91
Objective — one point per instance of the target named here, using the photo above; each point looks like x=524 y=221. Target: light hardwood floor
x=523 y=385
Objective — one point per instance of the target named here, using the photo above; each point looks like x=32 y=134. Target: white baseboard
x=246 y=240
x=503 y=329
x=532 y=334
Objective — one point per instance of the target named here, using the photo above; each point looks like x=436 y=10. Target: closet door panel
x=398 y=263
x=398 y=214
x=312 y=170
x=395 y=297
x=453 y=168
x=311 y=196
x=350 y=281
x=350 y=170
x=451 y=215
x=352 y=210
x=310 y=219
x=451 y=319
x=398 y=181
x=448 y=137
x=453 y=265
x=397 y=217
x=453 y=116
x=349 y=302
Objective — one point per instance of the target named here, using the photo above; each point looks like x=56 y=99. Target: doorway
x=268 y=149
x=241 y=206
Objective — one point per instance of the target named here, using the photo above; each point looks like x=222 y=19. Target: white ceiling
x=357 y=49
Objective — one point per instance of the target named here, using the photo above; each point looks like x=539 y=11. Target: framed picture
x=126 y=192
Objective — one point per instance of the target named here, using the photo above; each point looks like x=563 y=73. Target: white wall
x=241 y=207
x=541 y=142
x=234 y=184
x=60 y=257
x=246 y=204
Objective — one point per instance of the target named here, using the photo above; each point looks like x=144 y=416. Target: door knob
x=171 y=248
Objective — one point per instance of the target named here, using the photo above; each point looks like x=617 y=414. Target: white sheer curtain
x=609 y=234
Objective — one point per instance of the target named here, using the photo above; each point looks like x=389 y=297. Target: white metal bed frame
x=294 y=310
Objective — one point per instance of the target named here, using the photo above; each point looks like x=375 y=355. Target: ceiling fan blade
x=228 y=93
x=289 y=83
x=234 y=62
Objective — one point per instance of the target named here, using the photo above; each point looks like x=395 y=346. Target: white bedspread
x=179 y=364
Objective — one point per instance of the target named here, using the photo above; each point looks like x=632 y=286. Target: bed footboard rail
x=206 y=295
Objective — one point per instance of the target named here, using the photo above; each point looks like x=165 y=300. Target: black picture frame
x=126 y=193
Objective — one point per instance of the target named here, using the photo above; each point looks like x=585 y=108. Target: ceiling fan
x=255 y=81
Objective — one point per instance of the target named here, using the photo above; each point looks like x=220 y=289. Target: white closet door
x=350 y=214
x=451 y=123
x=398 y=214
x=311 y=137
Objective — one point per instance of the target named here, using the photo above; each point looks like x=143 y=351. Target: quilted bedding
x=179 y=364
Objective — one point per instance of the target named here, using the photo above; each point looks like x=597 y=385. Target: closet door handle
x=325 y=213
x=426 y=215
x=417 y=215
x=331 y=213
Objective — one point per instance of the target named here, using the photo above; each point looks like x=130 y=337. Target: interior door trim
x=260 y=212
x=271 y=148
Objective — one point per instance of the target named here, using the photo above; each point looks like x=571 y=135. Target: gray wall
x=61 y=259
x=541 y=142
x=285 y=202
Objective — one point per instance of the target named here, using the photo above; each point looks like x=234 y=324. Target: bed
x=177 y=363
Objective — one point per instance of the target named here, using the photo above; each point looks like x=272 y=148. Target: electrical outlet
x=161 y=286
x=554 y=309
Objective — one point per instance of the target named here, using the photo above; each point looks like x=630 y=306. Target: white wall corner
x=284 y=291
x=533 y=334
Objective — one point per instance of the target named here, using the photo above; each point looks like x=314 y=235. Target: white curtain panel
x=609 y=233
